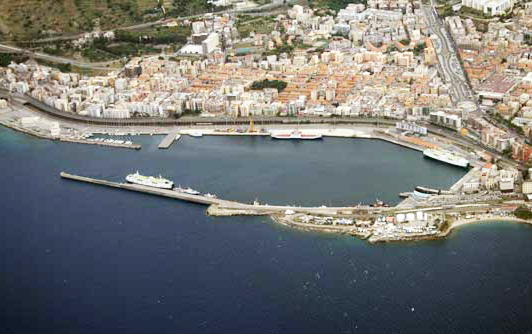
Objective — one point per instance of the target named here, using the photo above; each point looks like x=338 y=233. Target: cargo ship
x=446 y=156
x=295 y=135
x=150 y=181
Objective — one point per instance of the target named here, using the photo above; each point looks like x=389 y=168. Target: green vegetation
x=189 y=112
x=193 y=7
x=392 y=48
x=335 y=5
x=65 y=68
x=523 y=213
x=468 y=11
x=261 y=25
x=279 y=84
x=161 y=35
x=419 y=49
x=131 y=43
x=29 y=19
x=7 y=58
x=508 y=123
x=528 y=39
x=288 y=49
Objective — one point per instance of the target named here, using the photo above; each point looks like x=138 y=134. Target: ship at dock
x=188 y=190
x=150 y=181
x=446 y=156
x=298 y=135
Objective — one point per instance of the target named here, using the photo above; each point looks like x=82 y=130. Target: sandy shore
x=483 y=219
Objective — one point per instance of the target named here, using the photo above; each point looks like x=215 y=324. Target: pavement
x=449 y=65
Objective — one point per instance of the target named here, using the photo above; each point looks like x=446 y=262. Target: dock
x=469 y=175
x=168 y=140
x=385 y=137
x=218 y=206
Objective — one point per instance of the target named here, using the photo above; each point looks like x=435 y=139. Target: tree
x=279 y=84
x=523 y=213
x=5 y=59
x=419 y=49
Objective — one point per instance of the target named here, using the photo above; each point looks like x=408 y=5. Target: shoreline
x=36 y=134
x=373 y=233
x=351 y=231
x=472 y=221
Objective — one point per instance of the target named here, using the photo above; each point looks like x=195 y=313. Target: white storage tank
x=400 y=217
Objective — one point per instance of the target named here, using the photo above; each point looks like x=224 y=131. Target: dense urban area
x=452 y=80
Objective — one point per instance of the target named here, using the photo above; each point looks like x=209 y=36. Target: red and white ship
x=295 y=135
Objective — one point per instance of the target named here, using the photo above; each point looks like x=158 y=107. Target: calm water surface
x=79 y=258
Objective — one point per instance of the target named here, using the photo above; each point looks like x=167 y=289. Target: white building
x=445 y=119
x=491 y=7
x=527 y=187
x=210 y=43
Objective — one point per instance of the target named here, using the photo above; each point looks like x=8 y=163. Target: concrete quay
x=220 y=207
x=168 y=140
x=390 y=139
x=64 y=139
x=458 y=185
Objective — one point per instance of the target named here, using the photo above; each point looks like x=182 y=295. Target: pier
x=168 y=140
x=469 y=175
x=38 y=134
x=222 y=207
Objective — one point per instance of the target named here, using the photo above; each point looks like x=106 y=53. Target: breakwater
x=220 y=207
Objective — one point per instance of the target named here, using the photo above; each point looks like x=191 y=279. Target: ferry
x=295 y=135
x=422 y=193
x=446 y=156
x=150 y=181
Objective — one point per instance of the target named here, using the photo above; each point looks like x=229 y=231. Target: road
x=55 y=59
x=267 y=9
x=449 y=65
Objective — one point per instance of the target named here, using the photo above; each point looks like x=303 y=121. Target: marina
x=106 y=240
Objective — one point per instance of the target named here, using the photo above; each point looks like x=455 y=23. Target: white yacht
x=196 y=134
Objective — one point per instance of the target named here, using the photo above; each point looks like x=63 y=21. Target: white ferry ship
x=446 y=156
x=150 y=181
x=295 y=135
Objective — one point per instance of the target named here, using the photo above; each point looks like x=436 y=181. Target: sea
x=81 y=258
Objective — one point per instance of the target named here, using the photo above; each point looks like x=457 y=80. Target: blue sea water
x=79 y=258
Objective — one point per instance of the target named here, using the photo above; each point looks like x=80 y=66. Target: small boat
x=191 y=191
x=210 y=195
x=196 y=134
x=188 y=190
x=177 y=136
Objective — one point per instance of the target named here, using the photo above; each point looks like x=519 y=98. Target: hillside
x=30 y=19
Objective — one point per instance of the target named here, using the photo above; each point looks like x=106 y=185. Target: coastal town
x=453 y=82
